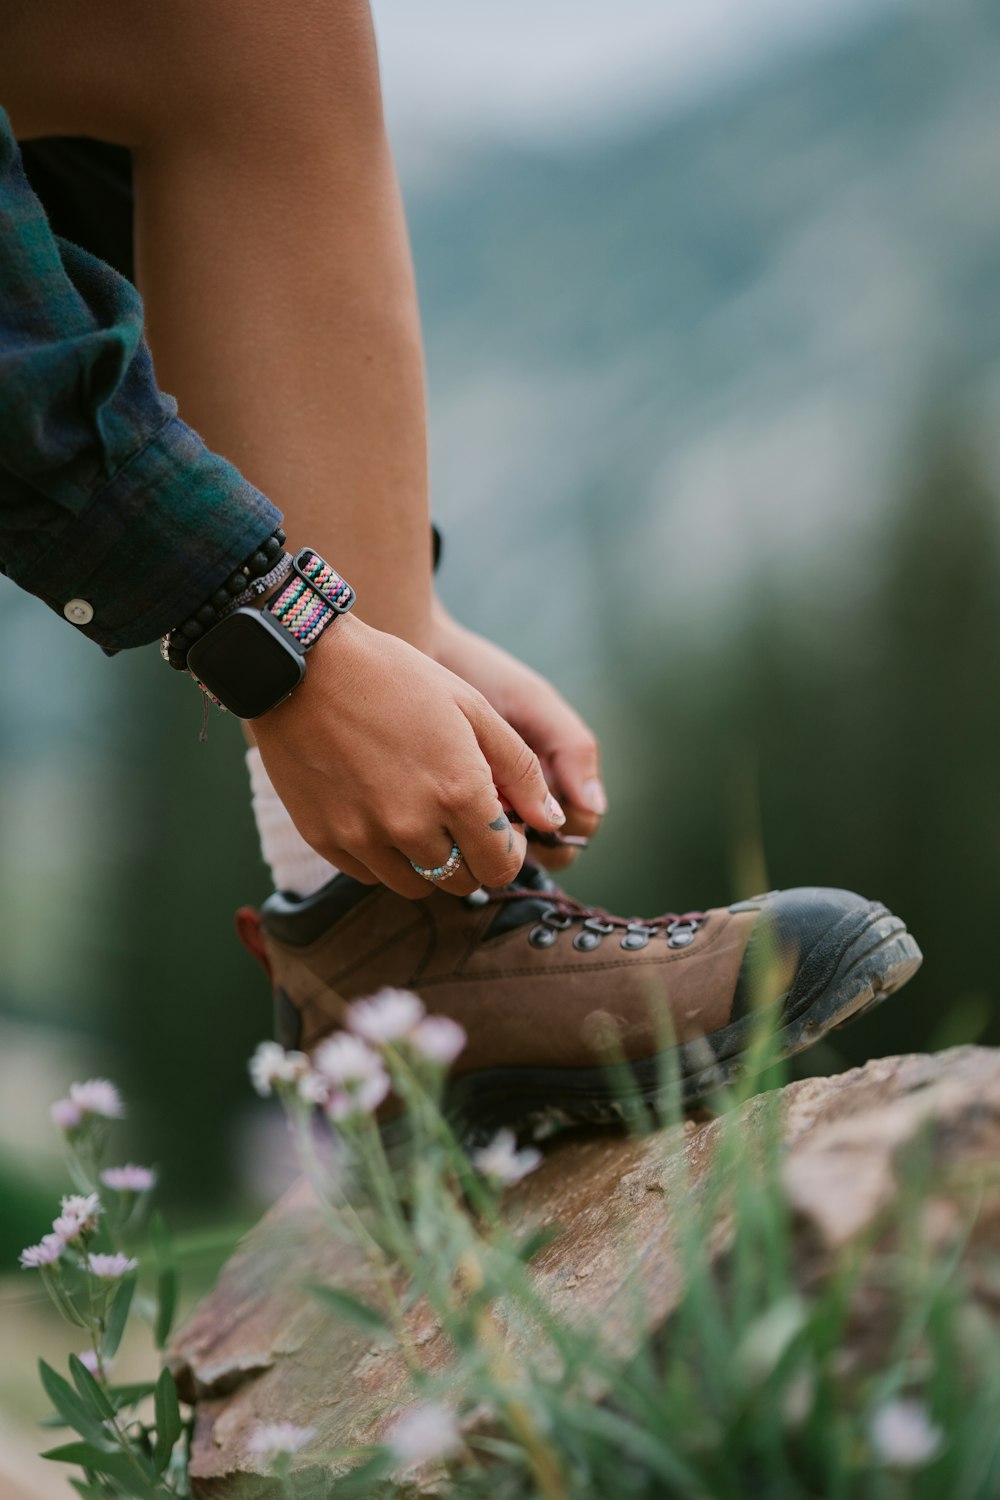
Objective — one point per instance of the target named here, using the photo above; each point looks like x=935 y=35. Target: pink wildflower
x=66 y=1115
x=110 y=1267
x=903 y=1435
x=439 y=1039
x=312 y=1089
x=97 y=1366
x=425 y=1432
x=79 y=1216
x=129 y=1179
x=387 y=1017
x=502 y=1162
x=360 y=1099
x=45 y=1253
x=345 y=1059
x=98 y=1096
x=271 y=1066
x=355 y=1075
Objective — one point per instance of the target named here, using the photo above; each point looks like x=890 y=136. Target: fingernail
x=554 y=812
x=595 y=797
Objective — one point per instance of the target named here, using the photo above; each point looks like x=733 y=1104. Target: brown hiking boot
x=549 y=991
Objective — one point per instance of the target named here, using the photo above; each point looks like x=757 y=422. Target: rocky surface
x=257 y=1349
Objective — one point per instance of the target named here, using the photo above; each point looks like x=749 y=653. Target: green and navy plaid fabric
x=105 y=494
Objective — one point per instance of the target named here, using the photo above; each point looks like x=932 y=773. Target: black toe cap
x=797 y=942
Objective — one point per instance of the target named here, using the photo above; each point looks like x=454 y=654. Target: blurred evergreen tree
x=932 y=703
x=853 y=719
x=184 y=1005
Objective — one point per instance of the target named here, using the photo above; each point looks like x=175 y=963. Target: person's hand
x=566 y=748
x=382 y=756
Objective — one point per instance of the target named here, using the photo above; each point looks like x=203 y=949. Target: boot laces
x=564 y=910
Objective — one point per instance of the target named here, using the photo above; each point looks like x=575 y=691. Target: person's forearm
x=282 y=314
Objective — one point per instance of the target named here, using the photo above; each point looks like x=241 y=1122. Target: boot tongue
x=535 y=884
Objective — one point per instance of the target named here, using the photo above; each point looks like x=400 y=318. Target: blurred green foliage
x=27 y=1211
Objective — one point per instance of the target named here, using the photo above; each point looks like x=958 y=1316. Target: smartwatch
x=253 y=659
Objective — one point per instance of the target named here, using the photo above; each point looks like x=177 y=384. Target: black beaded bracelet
x=177 y=642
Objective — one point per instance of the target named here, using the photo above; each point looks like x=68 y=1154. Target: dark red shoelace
x=567 y=906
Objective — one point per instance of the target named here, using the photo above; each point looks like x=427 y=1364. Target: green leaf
x=166 y=1281
x=166 y=1303
x=121 y=1302
x=111 y=1461
x=168 y=1420
x=351 y=1309
x=94 y=1395
x=73 y=1410
x=88 y=1455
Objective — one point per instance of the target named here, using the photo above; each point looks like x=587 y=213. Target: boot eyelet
x=477 y=897
x=681 y=938
x=597 y=924
x=586 y=940
x=542 y=937
x=557 y=920
x=635 y=939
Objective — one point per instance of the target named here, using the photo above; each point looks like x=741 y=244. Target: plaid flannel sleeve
x=106 y=496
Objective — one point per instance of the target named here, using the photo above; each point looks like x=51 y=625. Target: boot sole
x=876 y=962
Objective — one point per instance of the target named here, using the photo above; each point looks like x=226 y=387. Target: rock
x=257 y=1349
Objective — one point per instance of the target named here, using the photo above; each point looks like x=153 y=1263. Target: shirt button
x=79 y=611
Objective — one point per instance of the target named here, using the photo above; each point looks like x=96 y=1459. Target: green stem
x=96 y=1329
x=344 y=1213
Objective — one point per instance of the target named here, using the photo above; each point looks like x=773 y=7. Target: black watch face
x=247 y=663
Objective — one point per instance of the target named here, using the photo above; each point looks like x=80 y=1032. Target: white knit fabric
x=295 y=867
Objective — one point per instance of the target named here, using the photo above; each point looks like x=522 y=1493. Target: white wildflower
x=357 y=1079
x=271 y=1066
x=275 y=1439
x=502 y=1162
x=425 y=1432
x=82 y=1206
x=312 y=1089
x=345 y=1059
x=45 y=1253
x=439 y=1039
x=903 y=1435
x=66 y=1115
x=110 y=1267
x=79 y=1216
x=387 y=1017
x=98 y=1096
x=360 y=1098
x=129 y=1178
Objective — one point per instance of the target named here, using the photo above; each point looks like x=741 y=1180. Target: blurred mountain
x=665 y=360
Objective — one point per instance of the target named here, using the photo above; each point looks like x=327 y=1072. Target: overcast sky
x=552 y=68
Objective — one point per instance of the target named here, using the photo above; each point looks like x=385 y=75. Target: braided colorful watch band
x=312 y=599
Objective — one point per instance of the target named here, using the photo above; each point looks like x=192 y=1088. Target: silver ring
x=441 y=872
